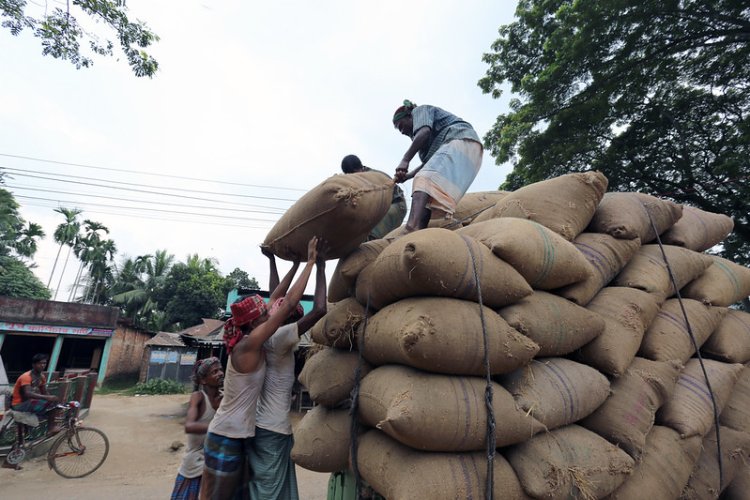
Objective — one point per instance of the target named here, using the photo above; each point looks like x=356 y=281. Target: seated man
x=394 y=217
x=30 y=394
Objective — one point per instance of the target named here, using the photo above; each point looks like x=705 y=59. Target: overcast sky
x=263 y=97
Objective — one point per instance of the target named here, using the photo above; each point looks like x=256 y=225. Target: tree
x=653 y=94
x=240 y=279
x=62 y=34
x=136 y=284
x=65 y=234
x=17 y=280
x=192 y=290
x=84 y=248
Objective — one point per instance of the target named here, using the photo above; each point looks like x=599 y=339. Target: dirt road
x=140 y=465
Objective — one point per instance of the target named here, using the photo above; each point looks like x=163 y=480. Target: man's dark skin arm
x=417 y=143
x=27 y=394
x=278 y=288
x=319 y=299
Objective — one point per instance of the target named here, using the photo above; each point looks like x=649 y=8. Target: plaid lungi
x=37 y=406
x=225 y=471
x=273 y=476
x=186 y=488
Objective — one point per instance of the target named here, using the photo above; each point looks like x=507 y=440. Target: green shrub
x=159 y=386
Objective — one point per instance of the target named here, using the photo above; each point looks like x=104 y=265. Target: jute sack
x=570 y=462
x=444 y=335
x=341 y=210
x=736 y=413
x=730 y=341
x=627 y=416
x=690 y=410
x=545 y=259
x=698 y=230
x=627 y=313
x=441 y=263
x=664 y=469
x=647 y=270
x=607 y=256
x=329 y=375
x=704 y=480
x=399 y=473
x=321 y=440
x=740 y=485
x=339 y=327
x=557 y=325
x=473 y=204
x=668 y=337
x=434 y=412
x=348 y=268
x=626 y=216
x=722 y=284
x=438 y=222
x=564 y=204
x=557 y=391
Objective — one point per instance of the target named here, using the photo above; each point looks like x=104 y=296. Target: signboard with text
x=60 y=330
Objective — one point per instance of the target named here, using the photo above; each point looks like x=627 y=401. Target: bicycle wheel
x=79 y=453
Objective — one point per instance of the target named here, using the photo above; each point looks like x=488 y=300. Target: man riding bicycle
x=30 y=394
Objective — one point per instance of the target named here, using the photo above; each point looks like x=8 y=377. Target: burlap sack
x=626 y=216
x=704 y=480
x=434 y=412
x=450 y=223
x=399 y=473
x=339 y=327
x=444 y=336
x=722 y=284
x=627 y=416
x=473 y=204
x=557 y=325
x=668 y=337
x=736 y=413
x=730 y=341
x=341 y=210
x=740 y=485
x=647 y=270
x=557 y=391
x=564 y=204
x=690 y=410
x=665 y=468
x=545 y=259
x=322 y=439
x=607 y=256
x=698 y=230
x=348 y=268
x=440 y=263
x=570 y=462
x=627 y=313
x=329 y=375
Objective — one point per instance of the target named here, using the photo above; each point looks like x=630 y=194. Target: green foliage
x=192 y=292
x=17 y=237
x=17 y=280
x=653 y=94
x=239 y=279
x=158 y=386
x=62 y=35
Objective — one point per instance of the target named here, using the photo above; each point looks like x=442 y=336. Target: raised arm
x=279 y=289
x=319 y=299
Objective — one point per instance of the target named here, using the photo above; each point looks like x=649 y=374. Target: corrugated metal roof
x=166 y=339
x=208 y=327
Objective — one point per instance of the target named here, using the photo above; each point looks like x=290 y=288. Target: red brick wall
x=126 y=352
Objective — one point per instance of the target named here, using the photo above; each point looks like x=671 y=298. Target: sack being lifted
x=341 y=210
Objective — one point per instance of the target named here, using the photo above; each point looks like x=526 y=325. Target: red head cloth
x=243 y=313
x=298 y=311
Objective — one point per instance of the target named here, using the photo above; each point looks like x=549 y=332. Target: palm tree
x=136 y=283
x=102 y=253
x=84 y=247
x=65 y=234
x=26 y=246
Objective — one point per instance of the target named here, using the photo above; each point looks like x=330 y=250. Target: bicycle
x=77 y=450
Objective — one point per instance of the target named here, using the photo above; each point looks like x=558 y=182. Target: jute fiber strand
x=690 y=410
x=626 y=216
x=400 y=473
x=432 y=412
x=348 y=268
x=664 y=469
x=730 y=341
x=648 y=271
x=607 y=256
x=722 y=284
x=328 y=375
x=557 y=325
x=698 y=230
x=736 y=413
x=668 y=337
x=441 y=263
x=704 y=480
x=473 y=204
x=569 y=462
x=740 y=485
x=627 y=313
x=545 y=259
x=557 y=391
x=444 y=335
x=341 y=210
x=339 y=327
x=627 y=416
x=321 y=440
x=563 y=204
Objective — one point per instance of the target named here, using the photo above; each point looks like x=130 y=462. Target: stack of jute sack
x=597 y=390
